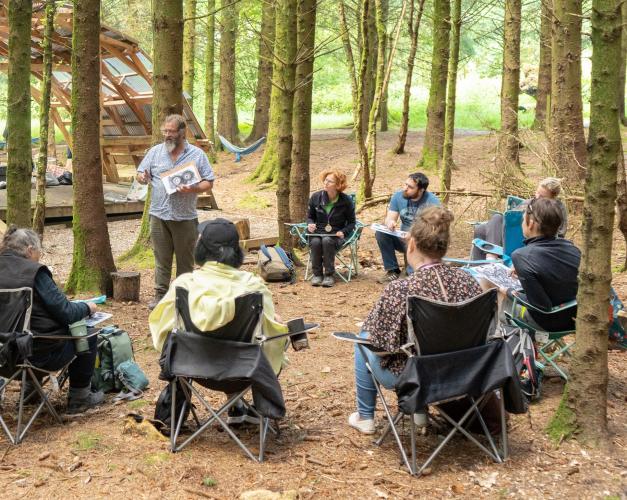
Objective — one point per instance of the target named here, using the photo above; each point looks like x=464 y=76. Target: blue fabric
x=364 y=384
x=177 y=206
x=407 y=209
x=56 y=303
x=389 y=245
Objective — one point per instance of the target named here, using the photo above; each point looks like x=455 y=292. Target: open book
x=497 y=273
x=381 y=228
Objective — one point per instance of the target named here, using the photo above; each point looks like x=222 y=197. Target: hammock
x=239 y=152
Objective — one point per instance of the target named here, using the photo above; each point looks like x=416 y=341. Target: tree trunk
x=92 y=261
x=623 y=67
x=301 y=121
x=621 y=205
x=210 y=129
x=371 y=42
x=227 y=111
x=587 y=388
x=44 y=121
x=567 y=146
x=18 y=114
x=189 y=47
x=52 y=140
x=436 y=107
x=544 y=69
x=264 y=72
x=383 y=108
x=414 y=29
x=284 y=74
x=449 y=129
x=167 y=83
x=508 y=161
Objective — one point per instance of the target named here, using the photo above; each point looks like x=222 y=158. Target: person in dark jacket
x=546 y=266
x=51 y=314
x=332 y=216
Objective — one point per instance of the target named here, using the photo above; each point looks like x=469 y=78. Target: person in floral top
x=386 y=324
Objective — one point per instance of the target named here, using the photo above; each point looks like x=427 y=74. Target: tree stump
x=243 y=228
x=126 y=286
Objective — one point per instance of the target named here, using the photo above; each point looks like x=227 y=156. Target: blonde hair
x=431 y=231
x=552 y=184
x=339 y=177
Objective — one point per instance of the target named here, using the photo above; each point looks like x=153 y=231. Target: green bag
x=114 y=347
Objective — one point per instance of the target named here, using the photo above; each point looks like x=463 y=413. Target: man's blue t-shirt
x=408 y=208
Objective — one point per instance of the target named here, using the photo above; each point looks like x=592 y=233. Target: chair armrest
x=356 y=339
x=308 y=328
x=65 y=337
x=562 y=307
x=487 y=247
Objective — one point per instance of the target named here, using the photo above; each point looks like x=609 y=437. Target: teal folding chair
x=346 y=254
x=551 y=345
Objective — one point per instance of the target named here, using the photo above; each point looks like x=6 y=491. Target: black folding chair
x=448 y=360
x=16 y=341
x=229 y=359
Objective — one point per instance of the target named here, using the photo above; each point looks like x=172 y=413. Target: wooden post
x=126 y=286
x=3 y=228
x=243 y=228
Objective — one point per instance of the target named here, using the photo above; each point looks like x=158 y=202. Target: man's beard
x=171 y=144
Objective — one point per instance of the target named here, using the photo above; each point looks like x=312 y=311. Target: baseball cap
x=218 y=233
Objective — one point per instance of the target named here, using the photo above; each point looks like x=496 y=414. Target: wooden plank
x=255 y=243
x=3 y=228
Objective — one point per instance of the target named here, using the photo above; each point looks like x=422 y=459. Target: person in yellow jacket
x=213 y=288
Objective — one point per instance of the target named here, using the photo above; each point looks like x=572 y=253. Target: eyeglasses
x=328 y=181
x=165 y=131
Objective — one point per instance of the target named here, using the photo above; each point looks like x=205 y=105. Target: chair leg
x=504 y=442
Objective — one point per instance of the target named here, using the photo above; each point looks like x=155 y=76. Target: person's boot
x=153 y=303
x=328 y=281
x=316 y=280
x=82 y=399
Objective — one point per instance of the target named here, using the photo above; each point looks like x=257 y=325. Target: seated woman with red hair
x=331 y=215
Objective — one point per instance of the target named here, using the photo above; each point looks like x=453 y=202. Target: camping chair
x=346 y=254
x=239 y=152
x=551 y=345
x=15 y=348
x=229 y=359
x=449 y=359
x=512 y=236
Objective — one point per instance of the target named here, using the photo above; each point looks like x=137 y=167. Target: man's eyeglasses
x=165 y=131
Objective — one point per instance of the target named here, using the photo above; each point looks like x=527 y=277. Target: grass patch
x=157 y=458
x=87 y=441
x=209 y=482
x=562 y=425
x=252 y=202
x=137 y=404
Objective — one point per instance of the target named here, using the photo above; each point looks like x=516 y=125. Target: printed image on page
x=496 y=273
x=381 y=228
x=185 y=175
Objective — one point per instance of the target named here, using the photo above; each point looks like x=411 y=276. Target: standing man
x=405 y=203
x=173 y=218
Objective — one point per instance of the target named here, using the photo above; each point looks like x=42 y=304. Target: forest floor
x=317 y=454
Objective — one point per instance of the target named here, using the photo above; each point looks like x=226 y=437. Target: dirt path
x=317 y=455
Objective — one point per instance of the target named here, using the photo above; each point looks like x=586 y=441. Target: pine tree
x=189 y=47
x=227 y=111
x=210 y=129
x=92 y=261
x=543 y=93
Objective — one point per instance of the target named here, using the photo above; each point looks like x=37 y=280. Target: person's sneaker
x=328 y=281
x=391 y=275
x=365 y=425
x=153 y=303
x=421 y=419
x=316 y=281
x=81 y=400
x=239 y=414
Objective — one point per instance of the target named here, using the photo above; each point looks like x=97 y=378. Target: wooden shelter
x=126 y=90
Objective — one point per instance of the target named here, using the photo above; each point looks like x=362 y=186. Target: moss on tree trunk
x=544 y=68
x=567 y=145
x=301 y=121
x=189 y=47
x=282 y=107
x=436 y=107
x=413 y=28
x=39 y=215
x=508 y=161
x=92 y=261
x=167 y=83
x=18 y=114
x=587 y=387
x=227 y=111
x=264 y=72
x=449 y=128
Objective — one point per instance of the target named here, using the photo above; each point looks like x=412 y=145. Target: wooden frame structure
x=125 y=92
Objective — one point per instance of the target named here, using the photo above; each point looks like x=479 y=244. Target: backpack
x=274 y=264
x=163 y=408
x=114 y=348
